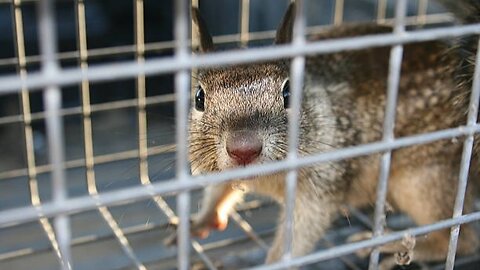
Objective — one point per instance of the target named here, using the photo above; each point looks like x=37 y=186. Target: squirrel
x=240 y=116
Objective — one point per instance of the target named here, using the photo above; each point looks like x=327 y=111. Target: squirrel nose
x=243 y=146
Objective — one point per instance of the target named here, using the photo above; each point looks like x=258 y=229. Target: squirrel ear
x=206 y=43
x=285 y=29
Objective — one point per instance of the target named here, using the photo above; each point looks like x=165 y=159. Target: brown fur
x=343 y=105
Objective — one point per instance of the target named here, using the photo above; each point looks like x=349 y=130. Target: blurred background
x=110 y=31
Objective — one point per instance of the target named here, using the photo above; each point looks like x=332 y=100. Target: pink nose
x=243 y=146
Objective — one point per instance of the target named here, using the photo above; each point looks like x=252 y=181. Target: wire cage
x=94 y=181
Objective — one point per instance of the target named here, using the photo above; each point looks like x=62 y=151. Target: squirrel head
x=239 y=114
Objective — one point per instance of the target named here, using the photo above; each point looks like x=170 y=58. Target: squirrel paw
x=405 y=256
x=199 y=227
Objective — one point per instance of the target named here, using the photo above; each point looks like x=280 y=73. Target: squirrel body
x=241 y=117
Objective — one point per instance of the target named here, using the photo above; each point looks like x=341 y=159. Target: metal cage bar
x=182 y=92
x=124 y=195
x=338 y=12
x=129 y=69
x=297 y=68
x=121 y=104
x=396 y=54
x=27 y=127
x=52 y=100
x=95 y=53
x=142 y=129
x=141 y=93
x=465 y=163
x=142 y=228
x=99 y=159
x=422 y=12
x=244 y=22
x=337 y=251
x=381 y=10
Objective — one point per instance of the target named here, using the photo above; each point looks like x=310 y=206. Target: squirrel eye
x=286 y=94
x=200 y=99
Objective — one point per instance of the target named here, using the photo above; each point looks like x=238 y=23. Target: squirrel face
x=239 y=116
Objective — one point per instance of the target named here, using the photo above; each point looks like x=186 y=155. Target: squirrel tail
x=468 y=11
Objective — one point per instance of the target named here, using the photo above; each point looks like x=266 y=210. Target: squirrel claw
x=196 y=230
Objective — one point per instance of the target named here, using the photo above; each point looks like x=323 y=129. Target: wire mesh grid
x=55 y=216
